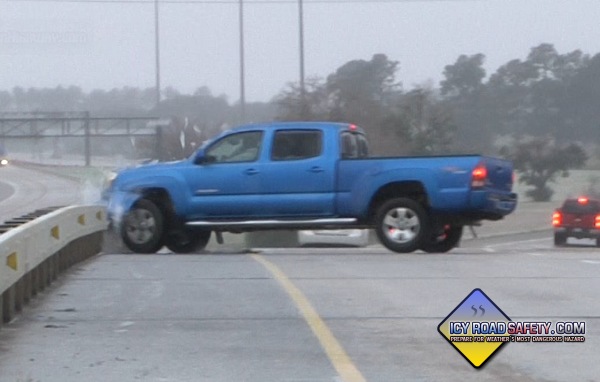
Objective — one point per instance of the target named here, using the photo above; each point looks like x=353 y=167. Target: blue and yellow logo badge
x=476 y=328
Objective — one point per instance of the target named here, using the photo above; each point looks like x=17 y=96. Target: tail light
x=478 y=176
x=597 y=221
x=557 y=219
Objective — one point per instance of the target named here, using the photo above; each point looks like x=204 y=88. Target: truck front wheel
x=402 y=225
x=142 y=229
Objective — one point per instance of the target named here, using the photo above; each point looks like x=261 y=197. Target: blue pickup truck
x=306 y=175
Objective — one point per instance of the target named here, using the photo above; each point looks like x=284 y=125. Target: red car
x=578 y=218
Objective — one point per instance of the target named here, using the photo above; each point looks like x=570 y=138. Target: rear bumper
x=579 y=233
x=486 y=205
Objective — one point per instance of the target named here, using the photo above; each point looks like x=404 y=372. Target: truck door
x=300 y=177
x=227 y=184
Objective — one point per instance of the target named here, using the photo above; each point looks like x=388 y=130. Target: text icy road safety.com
x=518 y=331
x=477 y=328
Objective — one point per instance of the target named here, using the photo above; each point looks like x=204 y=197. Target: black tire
x=402 y=225
x=443 y=243
x=560 y=239
x=187 y=241
x=142 y=229
x=598 y=242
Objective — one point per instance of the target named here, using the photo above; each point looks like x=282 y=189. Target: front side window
x=296 y=145
x=240 y=147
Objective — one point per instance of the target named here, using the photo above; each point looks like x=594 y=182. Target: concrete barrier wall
x=33 y=254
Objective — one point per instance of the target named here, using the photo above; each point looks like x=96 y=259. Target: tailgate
x=575 y=220
x=491 y=189
x=499 y=174
x=580 y=213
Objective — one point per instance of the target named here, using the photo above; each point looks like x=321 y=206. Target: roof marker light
x=582 y=200
x=352 y=127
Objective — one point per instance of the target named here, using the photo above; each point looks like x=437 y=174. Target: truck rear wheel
x=187 y=241
x=142 y=229
x=402 y=225
x=444 y=242
x=560 y=239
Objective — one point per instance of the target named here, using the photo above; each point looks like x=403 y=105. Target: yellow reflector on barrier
x=81 y=219
x=99 y=215
x=11 y=260
x=55 y=232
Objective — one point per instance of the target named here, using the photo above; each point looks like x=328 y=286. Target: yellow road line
x=335 y=352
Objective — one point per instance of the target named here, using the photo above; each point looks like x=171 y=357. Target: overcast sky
x=46 y=43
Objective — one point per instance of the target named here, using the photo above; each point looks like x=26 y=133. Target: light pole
x=242 y=77
x=157 y=52
x=303 y=108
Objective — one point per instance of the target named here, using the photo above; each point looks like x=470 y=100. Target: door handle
x=251 y=171
x=316 y=169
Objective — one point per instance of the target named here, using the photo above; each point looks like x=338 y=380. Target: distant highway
x=23 y=190
x=6 y=190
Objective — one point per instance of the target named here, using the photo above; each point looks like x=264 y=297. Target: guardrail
x=33 y=254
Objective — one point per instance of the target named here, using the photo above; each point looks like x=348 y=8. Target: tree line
x=547 y=97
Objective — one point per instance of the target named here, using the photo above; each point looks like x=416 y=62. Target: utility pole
x=157 y=52
x=242 y=76
x=303 y=106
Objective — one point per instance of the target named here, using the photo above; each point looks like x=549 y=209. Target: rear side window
x=296 y=144
x=363 y=146
x=354 y=145
x=574 y=207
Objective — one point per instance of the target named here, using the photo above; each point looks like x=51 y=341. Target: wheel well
x=161 y=198
x=409 y=189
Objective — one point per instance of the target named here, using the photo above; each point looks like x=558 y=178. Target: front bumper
x=117 y=204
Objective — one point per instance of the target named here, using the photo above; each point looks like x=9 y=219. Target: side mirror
x=202 y=158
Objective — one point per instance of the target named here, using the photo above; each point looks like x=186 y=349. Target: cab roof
x=298 y=126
